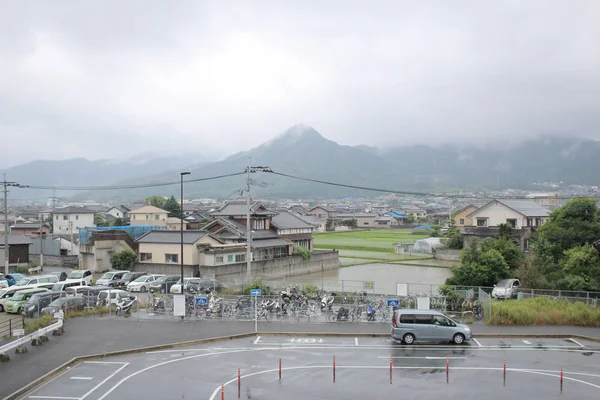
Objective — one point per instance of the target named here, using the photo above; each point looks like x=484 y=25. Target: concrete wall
x=96 y=257
x=446 y=254
x=279 y=268
x=58 y=261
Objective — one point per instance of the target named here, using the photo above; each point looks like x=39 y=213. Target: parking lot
x=362 y=368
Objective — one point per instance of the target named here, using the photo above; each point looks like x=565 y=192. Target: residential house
x=323 y=212
x=523 y=215
x=118 y=211
x=363 y=220
x=18 y=250
x=97 y=245
x=461 y=219
x=294 y=228
x=319 y=223
x=386 y=221
x=190 y=209
x=30 y=229
x=174 y=224
x=399 y=216
x=230 y=226
x=160 y=251
x=148 y=216
x=415 y=211
x=70 y=219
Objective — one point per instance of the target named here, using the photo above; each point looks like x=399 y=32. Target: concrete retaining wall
x=55 y=261
x=278 y=268
x=448 y=255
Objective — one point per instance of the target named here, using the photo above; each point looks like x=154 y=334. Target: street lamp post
x=181 y=229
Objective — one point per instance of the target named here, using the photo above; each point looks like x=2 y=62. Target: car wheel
x=143 y=289
x=1 y=308
x=409 y=338
x=459 y=338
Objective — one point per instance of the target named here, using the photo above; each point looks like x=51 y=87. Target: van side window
x=407 y=319
x=423 y=319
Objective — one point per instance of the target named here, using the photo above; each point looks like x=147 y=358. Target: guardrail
x=25 y=339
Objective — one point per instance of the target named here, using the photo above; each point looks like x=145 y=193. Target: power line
x=141 y=186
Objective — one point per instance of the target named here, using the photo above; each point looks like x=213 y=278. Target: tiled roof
x=73 y=210
x=270 y=243
x=171 y=237
x=287 y=220
x=238 y=207
x=528 y=208
x=15 y=240
x=148 y=209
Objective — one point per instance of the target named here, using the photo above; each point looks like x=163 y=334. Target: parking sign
x=255 y=292
x=393 y=302
x=201 y=300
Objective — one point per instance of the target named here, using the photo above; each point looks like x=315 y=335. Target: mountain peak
x=300 y=131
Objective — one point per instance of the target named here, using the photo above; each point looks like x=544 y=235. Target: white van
x=45 y=281
x=62 y=286
x=84 y=274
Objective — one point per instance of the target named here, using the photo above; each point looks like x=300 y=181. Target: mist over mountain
x=304 y=152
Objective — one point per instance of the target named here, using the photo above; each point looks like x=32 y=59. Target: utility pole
x=5 y=186
x=42 y=241
x=249 y=170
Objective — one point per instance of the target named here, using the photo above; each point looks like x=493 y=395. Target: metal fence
x=9 y=325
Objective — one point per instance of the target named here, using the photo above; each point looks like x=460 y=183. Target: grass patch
x=544 y=311
x=374 y=240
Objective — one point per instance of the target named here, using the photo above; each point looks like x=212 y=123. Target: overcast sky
x=108 y=78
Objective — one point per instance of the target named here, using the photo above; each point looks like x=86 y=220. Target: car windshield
x=108 y=275
x=504 y=283
x=20 y=296
x=76 y=275
x=142 y=279
x=127 y=276
x=3 y=292
x=23 y=282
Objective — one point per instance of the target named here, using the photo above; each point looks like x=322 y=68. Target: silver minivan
x=409 y=326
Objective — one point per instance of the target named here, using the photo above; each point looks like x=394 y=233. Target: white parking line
x=103 y=382
x=477 y=341
x=526 y=342
x=106 y=362
x=257 y=340
x=356 y=341
x=54 y=397
x=576 y=342
x=81 y=378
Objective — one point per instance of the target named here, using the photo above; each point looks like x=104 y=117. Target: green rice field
x=365 y=247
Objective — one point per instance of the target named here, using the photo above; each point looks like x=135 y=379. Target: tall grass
x=544 y=311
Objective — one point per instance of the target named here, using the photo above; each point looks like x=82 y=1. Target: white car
x=176 y=288
x=79 y=274
x=110 y=278
x=116 y=296
x=142 y=284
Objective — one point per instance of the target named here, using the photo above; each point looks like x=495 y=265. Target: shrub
x=544 y=311
x=302 y=251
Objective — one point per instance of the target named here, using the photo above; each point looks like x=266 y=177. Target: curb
x=58 y=370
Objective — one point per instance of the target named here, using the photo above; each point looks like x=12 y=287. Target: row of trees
x=563 y=255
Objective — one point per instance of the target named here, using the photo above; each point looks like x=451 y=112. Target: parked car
x=38 y=301
x=3 y=281
x=77 y=290
x=176 y=288
x=13 y=278
x=164 y=284
x=506 y=289
x=204 y=285
x=64 y=303
x=142 y=284
x=62 y=286
x=127 y=278
x=116 y=296
x=13 y=306
x=110 y=278
x=84 y=274
x=61 y=275
x=90 y=294
x=7 y=293
x=410 y=326
x=45 y=281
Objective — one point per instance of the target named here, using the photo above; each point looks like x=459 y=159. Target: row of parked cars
x=47 y=294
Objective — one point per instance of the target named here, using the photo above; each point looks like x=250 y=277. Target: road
x=364 y=367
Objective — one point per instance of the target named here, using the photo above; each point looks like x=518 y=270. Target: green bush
x=544 y=311
x=302 y=251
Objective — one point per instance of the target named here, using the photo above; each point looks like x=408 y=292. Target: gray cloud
x=109 y=78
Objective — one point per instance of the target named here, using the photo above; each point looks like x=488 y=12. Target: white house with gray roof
x=68 y=220
x=518 y=213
